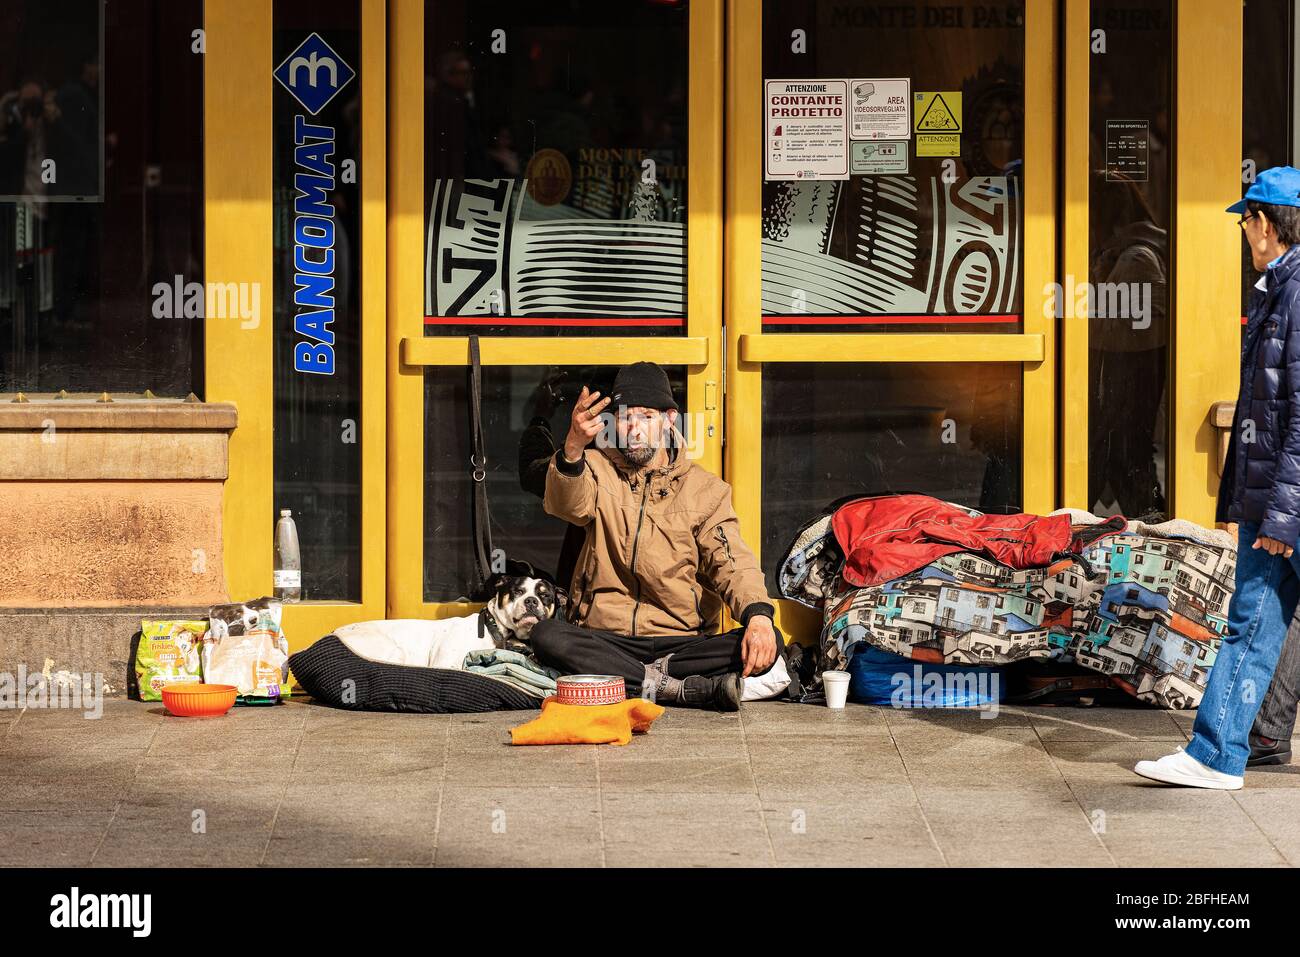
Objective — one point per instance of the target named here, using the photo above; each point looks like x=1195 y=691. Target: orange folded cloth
x=587 y=724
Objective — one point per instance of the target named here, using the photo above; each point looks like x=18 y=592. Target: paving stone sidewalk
x=777 y=785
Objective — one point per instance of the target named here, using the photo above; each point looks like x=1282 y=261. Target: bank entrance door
x=555 y=189
x=890 y=227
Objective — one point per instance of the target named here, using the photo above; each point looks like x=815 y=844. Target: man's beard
x=638 y=455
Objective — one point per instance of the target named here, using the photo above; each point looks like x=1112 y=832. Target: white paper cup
x=836 y=686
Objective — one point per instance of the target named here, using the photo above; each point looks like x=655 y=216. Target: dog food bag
x=170 y=652
x=246 y=648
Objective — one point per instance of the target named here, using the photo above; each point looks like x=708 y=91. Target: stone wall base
x=95 y=641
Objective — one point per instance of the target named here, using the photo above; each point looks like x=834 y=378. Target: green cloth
x=519 y=671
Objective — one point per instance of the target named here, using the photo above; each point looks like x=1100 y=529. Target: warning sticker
x=880 y=109
x=938 y=144
x=807 y=129
x=938 y=112
x=878 y=157
x=938 y=123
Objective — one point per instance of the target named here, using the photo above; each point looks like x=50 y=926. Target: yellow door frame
x=1205 y=295
x=1076 y=41
x=748 y=347
x=1206 y=335
x=238 y=367
x=410 y=352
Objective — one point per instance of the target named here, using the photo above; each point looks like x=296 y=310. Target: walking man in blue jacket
x=1260 y=491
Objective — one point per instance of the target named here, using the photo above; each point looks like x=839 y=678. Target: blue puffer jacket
x=1261 y=478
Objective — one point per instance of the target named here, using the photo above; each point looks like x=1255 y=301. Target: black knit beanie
x=643 y=384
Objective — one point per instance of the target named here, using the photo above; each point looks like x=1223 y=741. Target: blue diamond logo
x=314 y=74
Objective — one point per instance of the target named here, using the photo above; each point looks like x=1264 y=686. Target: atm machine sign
x=314 y=74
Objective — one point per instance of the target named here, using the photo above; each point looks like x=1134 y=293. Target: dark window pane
x=1267 y=98
x=933 y=245
x=836 y=429
x=1129 y=257
x=318 y=289
x=526 y=412
x=555 y=167
x=101 y=197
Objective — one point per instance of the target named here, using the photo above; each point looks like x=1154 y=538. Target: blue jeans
x=1259 y=614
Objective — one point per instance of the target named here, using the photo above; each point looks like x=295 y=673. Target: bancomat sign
x=313 y=74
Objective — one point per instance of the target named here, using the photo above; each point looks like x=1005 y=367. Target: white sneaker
x=1181 y=768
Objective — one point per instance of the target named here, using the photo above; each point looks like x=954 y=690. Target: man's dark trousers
x=573 y=650
x=1276 y=718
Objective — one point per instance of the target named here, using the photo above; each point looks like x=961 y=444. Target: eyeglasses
x=1244 y=220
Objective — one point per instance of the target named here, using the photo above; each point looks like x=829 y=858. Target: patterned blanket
x=1146 y=606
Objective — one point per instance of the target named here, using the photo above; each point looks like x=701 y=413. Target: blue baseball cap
x=1277 y=186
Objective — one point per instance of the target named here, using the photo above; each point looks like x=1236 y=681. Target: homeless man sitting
x=662 y=544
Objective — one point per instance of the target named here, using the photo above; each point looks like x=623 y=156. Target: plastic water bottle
x=288 y=559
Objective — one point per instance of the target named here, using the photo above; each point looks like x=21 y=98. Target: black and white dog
x=519 y=604
x=505 y=621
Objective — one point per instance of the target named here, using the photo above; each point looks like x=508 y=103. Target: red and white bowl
x=590 y=689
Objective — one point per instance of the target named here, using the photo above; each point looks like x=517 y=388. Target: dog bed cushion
x=332 y=673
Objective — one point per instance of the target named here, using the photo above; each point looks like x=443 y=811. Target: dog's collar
x=486 y=623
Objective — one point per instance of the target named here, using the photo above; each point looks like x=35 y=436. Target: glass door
x=294 y=113
x=1152 y=153
x=1120 y=255
x=555 y=189
x=890 y=236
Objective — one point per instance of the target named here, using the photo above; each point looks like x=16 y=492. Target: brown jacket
x=663 y=545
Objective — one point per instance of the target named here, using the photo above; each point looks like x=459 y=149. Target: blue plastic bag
x=880 y=678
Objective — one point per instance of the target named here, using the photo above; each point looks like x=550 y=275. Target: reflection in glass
x=1129 y=258
x=101 y=197
x=939 y=244
x=526 y=411
x=1267 y=95
x=837 y=429
x=555 y=167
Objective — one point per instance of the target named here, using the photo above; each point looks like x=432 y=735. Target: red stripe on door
x=539 y=321
x=882 y=320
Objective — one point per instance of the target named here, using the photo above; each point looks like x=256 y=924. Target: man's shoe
x=695 y=691
x=721 y=693
x=1268 y=751
x=1183 y=769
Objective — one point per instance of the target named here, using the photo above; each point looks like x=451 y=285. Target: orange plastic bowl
x=198 y=701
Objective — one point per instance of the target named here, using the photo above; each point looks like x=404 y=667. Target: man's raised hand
x=585 y=423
